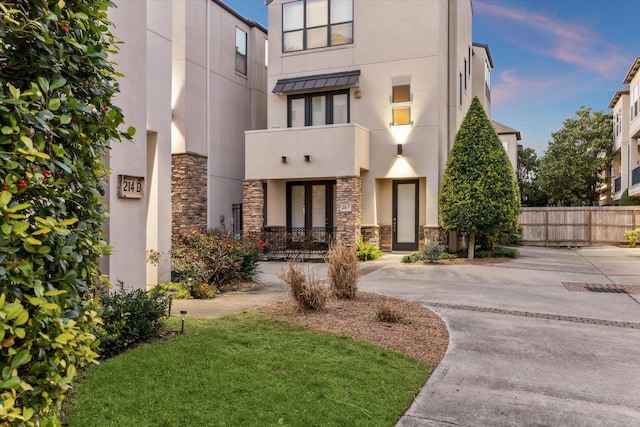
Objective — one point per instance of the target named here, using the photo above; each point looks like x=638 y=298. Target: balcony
x=297 y=242
x=307 y=152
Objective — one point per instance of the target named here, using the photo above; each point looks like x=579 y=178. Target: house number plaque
x=130 y=187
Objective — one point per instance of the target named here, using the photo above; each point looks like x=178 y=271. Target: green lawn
x=245 y=370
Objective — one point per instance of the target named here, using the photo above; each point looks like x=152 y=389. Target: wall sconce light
x=283 y=159
x=399 y=152
x=358 y=93
x=307 y=158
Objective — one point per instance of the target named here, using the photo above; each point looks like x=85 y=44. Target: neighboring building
x=509 y=138
x=482 y=68
x=364 y=104
x=624 y=172
x=218 y=92
x=140 y=221
x=195 y=80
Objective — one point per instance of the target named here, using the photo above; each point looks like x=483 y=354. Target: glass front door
x=311 y=209
x=405 y=216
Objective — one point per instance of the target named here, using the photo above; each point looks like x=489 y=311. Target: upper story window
x=317 y=109
x=401 y=105
x=487 y=80
x=311 y=24
x=617 y=123
x=634 y=102
x=241 y=51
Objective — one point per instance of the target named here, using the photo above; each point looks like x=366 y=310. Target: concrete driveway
x=532 y=342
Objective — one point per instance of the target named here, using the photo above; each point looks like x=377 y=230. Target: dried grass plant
x=305 y=289
x=387 y=312
x=342 y=263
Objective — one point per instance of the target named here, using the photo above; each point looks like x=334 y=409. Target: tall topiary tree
x=56 y=121
x=479 y=194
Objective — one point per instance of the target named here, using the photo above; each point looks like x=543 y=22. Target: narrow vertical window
x=469 y=59
x=487 y=80
x=465 y=74
x=460 y=89
x=241 y=51
x=266 y=53
x=401 y=105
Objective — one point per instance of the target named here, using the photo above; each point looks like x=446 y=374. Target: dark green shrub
x=626 y=200
x=448 y=255
x=498 y=252
x=414 y=257
x=57 y=122
x=368 y=251
x=215 y=259
x=131 y=317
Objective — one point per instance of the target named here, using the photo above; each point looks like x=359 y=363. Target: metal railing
x=617 y=184
x=635 y=176
x=296 y=242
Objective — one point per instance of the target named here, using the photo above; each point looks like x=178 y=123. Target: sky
x=551 y=57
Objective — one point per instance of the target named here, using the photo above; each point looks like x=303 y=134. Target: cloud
x=563 y=41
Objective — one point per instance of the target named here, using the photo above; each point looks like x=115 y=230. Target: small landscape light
x=182 y=314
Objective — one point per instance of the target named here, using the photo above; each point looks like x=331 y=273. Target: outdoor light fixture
x=307 y=158
x=171 y=292
x=283 y=159
x=399 y=153
x=182 y=314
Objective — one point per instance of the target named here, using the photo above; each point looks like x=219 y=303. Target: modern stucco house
x=625 y=167
x=364 y=103
x=194 y=81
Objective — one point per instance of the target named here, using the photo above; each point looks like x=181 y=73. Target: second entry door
x=405 y=215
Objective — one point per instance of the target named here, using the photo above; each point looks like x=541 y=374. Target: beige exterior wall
x=136 y=225
x=428 y=52
x=213 y=104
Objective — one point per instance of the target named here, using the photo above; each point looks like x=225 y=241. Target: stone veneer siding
x=348 y=194
x=371 y=234
x=252 y=209
x=385 y=237
x=188 y=194
x=437 y=234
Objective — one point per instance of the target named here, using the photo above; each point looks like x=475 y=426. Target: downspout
x=208 y=112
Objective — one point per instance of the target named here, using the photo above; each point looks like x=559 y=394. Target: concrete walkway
x=531 y=343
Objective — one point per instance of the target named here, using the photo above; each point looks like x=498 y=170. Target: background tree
x=56 y=121
x=527 y=174
x=479 y=194
x=571 y=170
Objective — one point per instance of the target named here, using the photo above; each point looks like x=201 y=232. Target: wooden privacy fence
x=582 y=226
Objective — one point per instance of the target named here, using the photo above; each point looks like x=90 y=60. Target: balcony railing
x=617 y=184
x=297 y=242
x=635 y=176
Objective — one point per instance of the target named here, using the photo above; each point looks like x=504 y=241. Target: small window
x=266 y=53
x=401 y=112
x=241 y=51
x=465 y=74
x=469 y=60
x=460 y=89
x=401 y=93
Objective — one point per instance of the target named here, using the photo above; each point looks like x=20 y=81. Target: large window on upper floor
x=617 y=122
x=317 y=109
x=634 y=102
x=311 y=24
x=241 y=51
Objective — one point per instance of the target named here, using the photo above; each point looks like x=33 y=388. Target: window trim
x=304 y=29
x=329 y=110
x=238 y=54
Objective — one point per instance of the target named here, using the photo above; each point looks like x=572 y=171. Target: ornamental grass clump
x=387 y=312
x=342 y=263
x=305 y=289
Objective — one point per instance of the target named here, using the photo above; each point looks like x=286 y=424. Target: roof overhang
x=317 y=82
x=617 y=97
x=632 y=71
